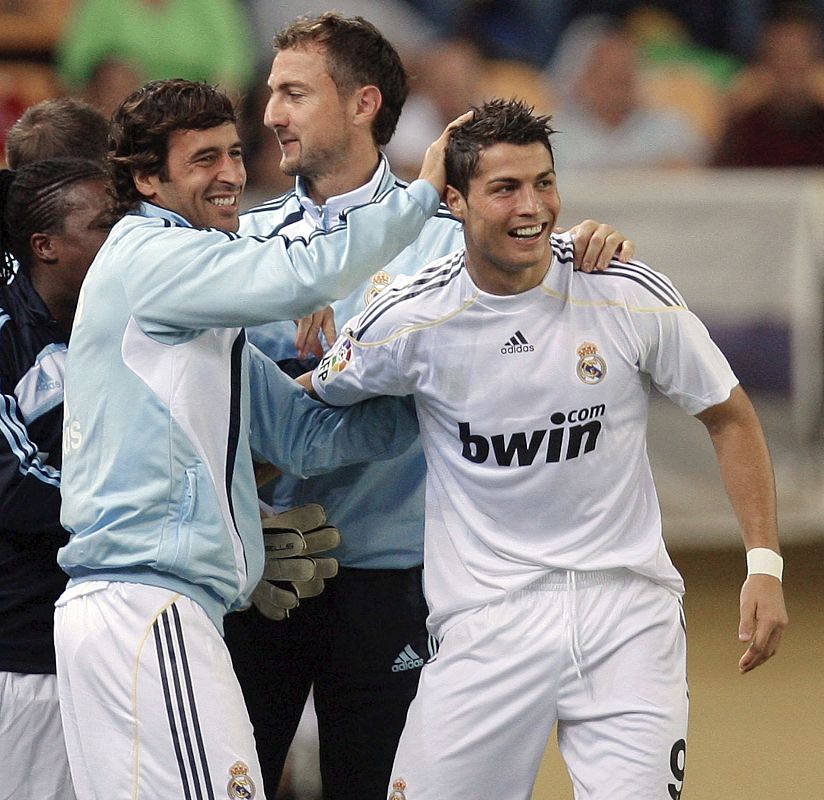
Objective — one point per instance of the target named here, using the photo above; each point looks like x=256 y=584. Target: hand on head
x=433 y=167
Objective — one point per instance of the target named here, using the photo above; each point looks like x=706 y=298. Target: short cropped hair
x=357 y=54
x=496 y=121
x=33 y=200
x=57 y=128
x=143 y=124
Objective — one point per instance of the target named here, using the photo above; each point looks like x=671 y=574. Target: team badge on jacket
x=240 y=786
x=380 y=280
x=591 y=367
x=398 y=793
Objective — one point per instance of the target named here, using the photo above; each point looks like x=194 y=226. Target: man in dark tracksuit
x=54 y=220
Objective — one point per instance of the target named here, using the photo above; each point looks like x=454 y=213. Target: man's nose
x=274 y=115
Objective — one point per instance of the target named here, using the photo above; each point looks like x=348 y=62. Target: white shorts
x=150 y=703
x=33 y=759
x=603 y=654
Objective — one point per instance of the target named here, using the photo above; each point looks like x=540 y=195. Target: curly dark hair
x=496 y=121
x=34 y=200
x=357 y=54
x=142 y=125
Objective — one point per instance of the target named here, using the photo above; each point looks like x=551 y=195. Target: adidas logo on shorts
x=517 y=344
x=407 y=659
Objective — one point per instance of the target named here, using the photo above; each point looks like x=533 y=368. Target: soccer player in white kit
x=546 y=575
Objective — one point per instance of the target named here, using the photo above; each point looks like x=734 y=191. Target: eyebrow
x=510 y=179
x=205 y=151
x=287 y=83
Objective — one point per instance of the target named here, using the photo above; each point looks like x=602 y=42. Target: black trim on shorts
x=172 y=667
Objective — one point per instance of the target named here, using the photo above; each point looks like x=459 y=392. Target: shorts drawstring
x=571 y=582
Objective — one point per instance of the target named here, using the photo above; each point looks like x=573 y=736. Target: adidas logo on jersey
x=517 y=344
x=407 y=659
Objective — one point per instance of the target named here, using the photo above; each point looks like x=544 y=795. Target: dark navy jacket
x=32 y=358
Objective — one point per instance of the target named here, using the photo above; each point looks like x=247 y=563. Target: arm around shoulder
x=305 y=437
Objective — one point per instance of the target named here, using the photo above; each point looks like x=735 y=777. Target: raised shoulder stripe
x=168 y=223
x=271 y=205
x=289 y=219
x=228 y=234
x=288 y=241
x=321 y=232
x=443 y=211
x=654 y=282
x=437 y=274
x=563 y=249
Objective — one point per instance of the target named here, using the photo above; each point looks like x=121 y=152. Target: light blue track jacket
x=377 y=506
x=158 y=483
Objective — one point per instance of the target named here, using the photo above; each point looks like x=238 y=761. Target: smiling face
x=509 y=211
x=309 y=116
x=203 y=179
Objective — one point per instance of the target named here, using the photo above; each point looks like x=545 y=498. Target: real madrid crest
x=591 y=367
x=240 y=786
x=380 y=280
x=398 y=790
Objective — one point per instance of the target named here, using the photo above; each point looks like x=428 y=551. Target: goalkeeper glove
x=291 y=570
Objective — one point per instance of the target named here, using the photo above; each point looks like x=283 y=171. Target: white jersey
x=533 y=414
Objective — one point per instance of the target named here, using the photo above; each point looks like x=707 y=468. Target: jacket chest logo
x=380 y=280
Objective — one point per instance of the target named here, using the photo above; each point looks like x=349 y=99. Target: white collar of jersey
x=151 y=210
x=553 y=280
x=327 y=215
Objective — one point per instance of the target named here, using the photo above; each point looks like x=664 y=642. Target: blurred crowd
x=629 y=84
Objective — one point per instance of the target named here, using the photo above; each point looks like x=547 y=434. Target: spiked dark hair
x=142 y=125
x=357 y=54
x=496 y=121
x=58 y=128
x=33 y=200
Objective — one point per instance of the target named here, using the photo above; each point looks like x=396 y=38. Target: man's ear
x=368 y=101
x=456 y=202
x=145 y=184
x=42 y=245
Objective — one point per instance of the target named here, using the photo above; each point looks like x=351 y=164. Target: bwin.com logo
x=517 y=344
x=574 y=433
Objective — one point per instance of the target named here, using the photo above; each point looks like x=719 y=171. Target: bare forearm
x=746 y=468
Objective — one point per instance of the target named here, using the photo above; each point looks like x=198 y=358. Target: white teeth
x=533 y=230
x=222 y=201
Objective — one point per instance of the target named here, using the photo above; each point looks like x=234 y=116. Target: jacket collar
x=329 y=214
x=28 y=305
x=151 y=210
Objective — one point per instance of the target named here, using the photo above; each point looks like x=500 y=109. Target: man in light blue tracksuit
x=337 y=89
x=165 y=408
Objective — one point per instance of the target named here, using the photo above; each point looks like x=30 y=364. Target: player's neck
x=494 y=280
x=354 y=172
x=60 y=302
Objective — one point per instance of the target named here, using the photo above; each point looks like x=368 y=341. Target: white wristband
x=763 y=561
